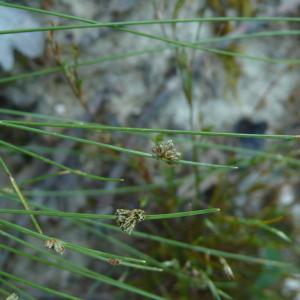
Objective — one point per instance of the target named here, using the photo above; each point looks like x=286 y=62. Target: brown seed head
x=127 y=219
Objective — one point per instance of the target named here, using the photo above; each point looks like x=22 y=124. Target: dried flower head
x=127 y=219
x=13 y=297
x=166 y=151
x=114 y=261
x=227 y=269
x=56 y=245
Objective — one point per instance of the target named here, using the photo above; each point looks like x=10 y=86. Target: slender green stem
x=86 y=225
x=99 y=192
x=211 y=50
x=120 y=27
x=273 y=156
x=30 y=115
x=41 y=178
x=182 y=214
x=44 y=261
x=102 y=59
x=60 y=214
x=82 y=271
x=107 y=146
x=173 y=243
x=113 y=57
x=24 y=294
x=199 y=249
x=121 y=245
x=37 y=286
x=156 y=21
x=261 y=224
x=51 y=162
x=83 y=125
x=153 y=22
x=97 y=254
x=126 y=261
x=20 y=195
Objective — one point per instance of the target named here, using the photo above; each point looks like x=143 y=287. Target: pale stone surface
x=30 y=44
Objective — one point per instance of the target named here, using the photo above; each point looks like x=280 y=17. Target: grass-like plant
x=198 y=254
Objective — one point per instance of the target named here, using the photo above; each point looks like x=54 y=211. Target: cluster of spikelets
x=125 y=218
x=56 y=245
x=166 y=151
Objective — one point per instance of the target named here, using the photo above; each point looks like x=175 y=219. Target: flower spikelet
x=114 y=261
x=166 y=151
x=127 y=219
x=13 y=297
x=56 y=245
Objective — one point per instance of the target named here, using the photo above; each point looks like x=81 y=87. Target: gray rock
x=30 y=44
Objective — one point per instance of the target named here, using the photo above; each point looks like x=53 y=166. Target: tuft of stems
x=20 y=195
x=51 y=162
x=126 y=219
x=38 y=286
x=107 y=146
x=121 y=28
